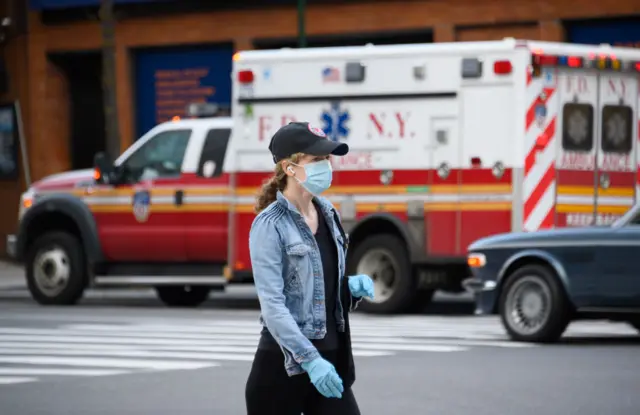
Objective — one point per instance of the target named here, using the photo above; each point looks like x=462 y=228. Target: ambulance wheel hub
x=383 y=269
x=51 y=271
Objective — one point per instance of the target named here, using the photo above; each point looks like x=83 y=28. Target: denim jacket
x=287 y=271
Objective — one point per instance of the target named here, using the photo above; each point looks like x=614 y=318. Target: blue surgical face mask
x=319 y=175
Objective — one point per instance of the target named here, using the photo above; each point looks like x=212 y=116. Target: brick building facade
x=42 y=88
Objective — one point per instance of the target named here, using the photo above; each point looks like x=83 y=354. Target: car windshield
x=632 y=215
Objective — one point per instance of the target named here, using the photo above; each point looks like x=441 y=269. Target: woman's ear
x=286 y=167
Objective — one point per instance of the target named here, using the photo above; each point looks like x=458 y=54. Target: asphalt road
x=132 y=356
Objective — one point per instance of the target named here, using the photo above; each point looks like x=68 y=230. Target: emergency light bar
x=604 y=62
x=205 y=110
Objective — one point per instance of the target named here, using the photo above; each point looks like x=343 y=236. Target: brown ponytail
x=269 y=190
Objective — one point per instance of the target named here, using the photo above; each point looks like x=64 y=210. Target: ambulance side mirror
x=104 y=172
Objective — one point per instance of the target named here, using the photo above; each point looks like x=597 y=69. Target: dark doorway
x=84 y=74
x=350 y=39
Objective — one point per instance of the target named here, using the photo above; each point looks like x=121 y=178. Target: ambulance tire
x=549 y=311
x=55 y=269
x=404 y=290
x=183 y=295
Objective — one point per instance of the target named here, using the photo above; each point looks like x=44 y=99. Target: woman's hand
x=361 y=286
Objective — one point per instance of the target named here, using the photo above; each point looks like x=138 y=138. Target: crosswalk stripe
x=355 y=331
x=9 y=380
x=43 y=371
x=105 y=362
x=156 y=354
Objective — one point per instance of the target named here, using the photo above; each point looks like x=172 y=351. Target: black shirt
x=329 y=256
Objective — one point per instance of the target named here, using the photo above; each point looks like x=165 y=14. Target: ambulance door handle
x=604 y=180
x=179 y=197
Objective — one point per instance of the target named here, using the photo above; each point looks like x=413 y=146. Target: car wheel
x=183 y=296
x=533 y=305
x=55 y=269
x=385 y=259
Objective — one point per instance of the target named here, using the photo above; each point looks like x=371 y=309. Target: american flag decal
x=330 y=74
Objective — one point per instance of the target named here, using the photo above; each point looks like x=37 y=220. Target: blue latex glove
x=324 y=377
x=361 y=286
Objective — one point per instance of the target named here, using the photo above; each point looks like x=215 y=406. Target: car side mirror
x=104 y=170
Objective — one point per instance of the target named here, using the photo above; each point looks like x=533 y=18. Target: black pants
x=270 y=391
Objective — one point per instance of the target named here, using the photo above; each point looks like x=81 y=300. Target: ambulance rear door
x=596 y=169
x=616 y=159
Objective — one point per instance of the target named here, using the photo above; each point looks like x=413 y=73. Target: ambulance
x=450 y=142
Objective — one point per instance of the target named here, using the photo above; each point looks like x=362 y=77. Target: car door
x=619 y=279
x=145 y=220
x=207 y=219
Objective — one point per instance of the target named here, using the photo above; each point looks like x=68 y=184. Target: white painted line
x=128 y=340
x=166 y=329
x=118 y=340
x=368 y=353
x=409 y=347
x=9 y=380
x=104 y=362
x=29 y=371
x=154 y=336
x=372 y=331
x=133 y=354
x=224 y=347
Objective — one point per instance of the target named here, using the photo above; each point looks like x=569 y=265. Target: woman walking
x=304 y=362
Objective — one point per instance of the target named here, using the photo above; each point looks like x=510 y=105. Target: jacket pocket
x=299 y=266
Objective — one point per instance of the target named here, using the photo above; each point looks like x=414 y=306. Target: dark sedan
x=539 y=282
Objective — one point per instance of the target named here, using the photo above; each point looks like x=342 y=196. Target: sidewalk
x=11 y=276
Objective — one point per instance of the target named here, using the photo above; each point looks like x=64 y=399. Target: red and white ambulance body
x=449 y=143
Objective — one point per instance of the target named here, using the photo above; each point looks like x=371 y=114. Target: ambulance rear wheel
x=183 y=295
x=385 y=259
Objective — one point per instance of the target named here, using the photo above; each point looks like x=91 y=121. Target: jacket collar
x=326 y=206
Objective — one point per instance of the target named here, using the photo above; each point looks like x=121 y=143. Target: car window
x=577 y=128
x=160 y=157
x=213 y=152
x=617 y=129
x=635 y=221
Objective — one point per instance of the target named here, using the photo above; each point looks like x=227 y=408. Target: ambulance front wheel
x=183 y=295
x=385 y=259
x=55 y=269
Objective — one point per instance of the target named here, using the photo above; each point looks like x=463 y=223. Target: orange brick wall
x=451 y=20
x=45 y=97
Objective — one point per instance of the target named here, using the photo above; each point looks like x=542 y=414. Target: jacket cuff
x=306 y=356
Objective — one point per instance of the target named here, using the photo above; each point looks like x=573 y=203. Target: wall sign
x=167 y=80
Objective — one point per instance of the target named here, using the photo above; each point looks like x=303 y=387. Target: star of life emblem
x=615 y=129
x=577 y=127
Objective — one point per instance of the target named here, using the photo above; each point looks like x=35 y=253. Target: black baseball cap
x=302 y=137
